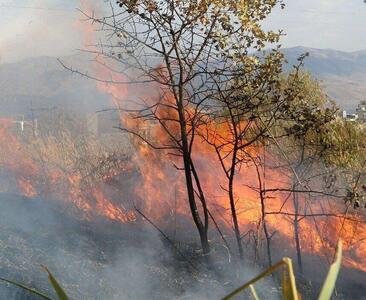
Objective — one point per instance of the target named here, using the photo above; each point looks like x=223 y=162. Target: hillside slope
x=42 y=83
x=343 y=73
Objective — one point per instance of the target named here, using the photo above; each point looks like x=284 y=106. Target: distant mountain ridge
x=42 y=82
x=343 y=73
x=329 y=61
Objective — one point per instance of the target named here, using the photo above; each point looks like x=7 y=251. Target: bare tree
x=247 y=112
x=189 y=51
x=303 y=155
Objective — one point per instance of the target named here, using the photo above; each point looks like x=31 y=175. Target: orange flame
x=162 y=190
x=30 y=180
x=162 y=187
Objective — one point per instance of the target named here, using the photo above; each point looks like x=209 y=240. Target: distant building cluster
x=359 y=115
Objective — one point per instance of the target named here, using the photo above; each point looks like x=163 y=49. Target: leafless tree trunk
x=297 y=230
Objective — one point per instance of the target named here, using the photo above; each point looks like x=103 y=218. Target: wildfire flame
x=162 y=189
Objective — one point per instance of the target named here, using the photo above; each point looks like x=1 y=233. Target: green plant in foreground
x=289 y=290
x=55 y=285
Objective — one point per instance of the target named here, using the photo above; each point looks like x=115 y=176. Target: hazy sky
x=47 y=27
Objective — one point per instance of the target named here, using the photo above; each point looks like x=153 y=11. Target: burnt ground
x=35 y=231
x=101 y=259
x=96 y=259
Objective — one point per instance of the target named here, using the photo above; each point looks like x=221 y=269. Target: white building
x=361 y=111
